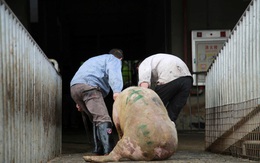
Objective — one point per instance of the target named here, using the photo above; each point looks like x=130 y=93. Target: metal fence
x=30 y=96
x=233 y=91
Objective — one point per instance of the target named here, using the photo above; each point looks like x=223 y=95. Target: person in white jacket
x=169 y=77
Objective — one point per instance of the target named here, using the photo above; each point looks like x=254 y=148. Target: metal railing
x=30 y=96
x=233 y=91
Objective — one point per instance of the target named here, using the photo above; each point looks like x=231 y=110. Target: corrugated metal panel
x=30 y=96
x=233 y=91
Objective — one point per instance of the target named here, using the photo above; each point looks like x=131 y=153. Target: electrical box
x=206 y=44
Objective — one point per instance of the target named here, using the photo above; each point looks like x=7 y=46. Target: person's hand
x=78 y=107
x=144 y=84
x=115 y=95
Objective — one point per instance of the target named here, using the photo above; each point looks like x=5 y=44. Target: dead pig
x=145 y=131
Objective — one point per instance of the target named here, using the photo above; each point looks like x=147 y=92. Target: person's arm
x=115 y=76
x=144 y=74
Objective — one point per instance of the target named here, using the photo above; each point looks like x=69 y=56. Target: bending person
x=89 y=86
x=170 y=78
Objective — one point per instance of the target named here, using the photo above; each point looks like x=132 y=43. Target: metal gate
x=233 y=91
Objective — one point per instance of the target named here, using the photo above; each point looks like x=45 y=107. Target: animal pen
x=233 y=91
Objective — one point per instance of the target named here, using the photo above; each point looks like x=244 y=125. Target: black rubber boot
x=98 y=148
x=106 y=137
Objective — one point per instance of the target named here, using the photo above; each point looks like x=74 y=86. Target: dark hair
x=117 y=53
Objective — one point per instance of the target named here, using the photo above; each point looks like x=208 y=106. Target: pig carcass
x=144 y=129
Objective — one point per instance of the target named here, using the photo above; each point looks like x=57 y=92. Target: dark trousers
x=174 y=95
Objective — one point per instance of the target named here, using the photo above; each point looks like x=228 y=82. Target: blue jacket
x=103 y=71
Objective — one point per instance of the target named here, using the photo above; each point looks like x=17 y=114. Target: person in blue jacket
x=89 y=86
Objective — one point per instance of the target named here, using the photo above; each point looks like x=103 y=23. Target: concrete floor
x=190 y=149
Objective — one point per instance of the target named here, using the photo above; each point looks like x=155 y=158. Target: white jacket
x=161 y=68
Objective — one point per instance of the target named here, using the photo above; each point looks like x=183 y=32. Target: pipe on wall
x=185 y=34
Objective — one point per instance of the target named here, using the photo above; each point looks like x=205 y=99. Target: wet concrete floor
x=191 y=149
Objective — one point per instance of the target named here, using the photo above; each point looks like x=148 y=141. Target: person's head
x=118 y=53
